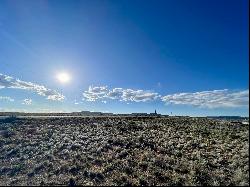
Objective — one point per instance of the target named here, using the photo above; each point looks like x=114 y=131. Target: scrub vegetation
x=124 y=151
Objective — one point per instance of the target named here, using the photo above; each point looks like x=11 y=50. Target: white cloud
x=116 y=93
x=138 y=95
x=95 y=93
x=4 y=98
x=27 y=102
x=210 y=99
x=102 y=92
x=10 y=82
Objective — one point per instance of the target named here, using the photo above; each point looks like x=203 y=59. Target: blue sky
x=188 y=57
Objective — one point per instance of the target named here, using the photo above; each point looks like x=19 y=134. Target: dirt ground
x=123 y=151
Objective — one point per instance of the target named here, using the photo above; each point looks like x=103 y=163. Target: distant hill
x=228 y=117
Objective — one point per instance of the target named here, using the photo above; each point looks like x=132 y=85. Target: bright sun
x=63 y=77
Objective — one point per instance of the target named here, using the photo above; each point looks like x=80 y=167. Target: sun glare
x=63 y=77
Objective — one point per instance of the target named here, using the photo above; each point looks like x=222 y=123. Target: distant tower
x=155 y=112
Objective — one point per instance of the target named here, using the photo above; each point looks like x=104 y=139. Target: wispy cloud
x=102 y=92
x=27 y=102
x=12 y=110
x=4 y=98
x=76 y=102
x=47 y=110
x=10 y=82
x=210 y=99
x=159 y=85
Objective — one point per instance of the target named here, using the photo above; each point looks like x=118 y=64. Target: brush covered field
x=124 y=151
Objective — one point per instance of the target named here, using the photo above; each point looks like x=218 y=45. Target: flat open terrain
x=123 y=151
